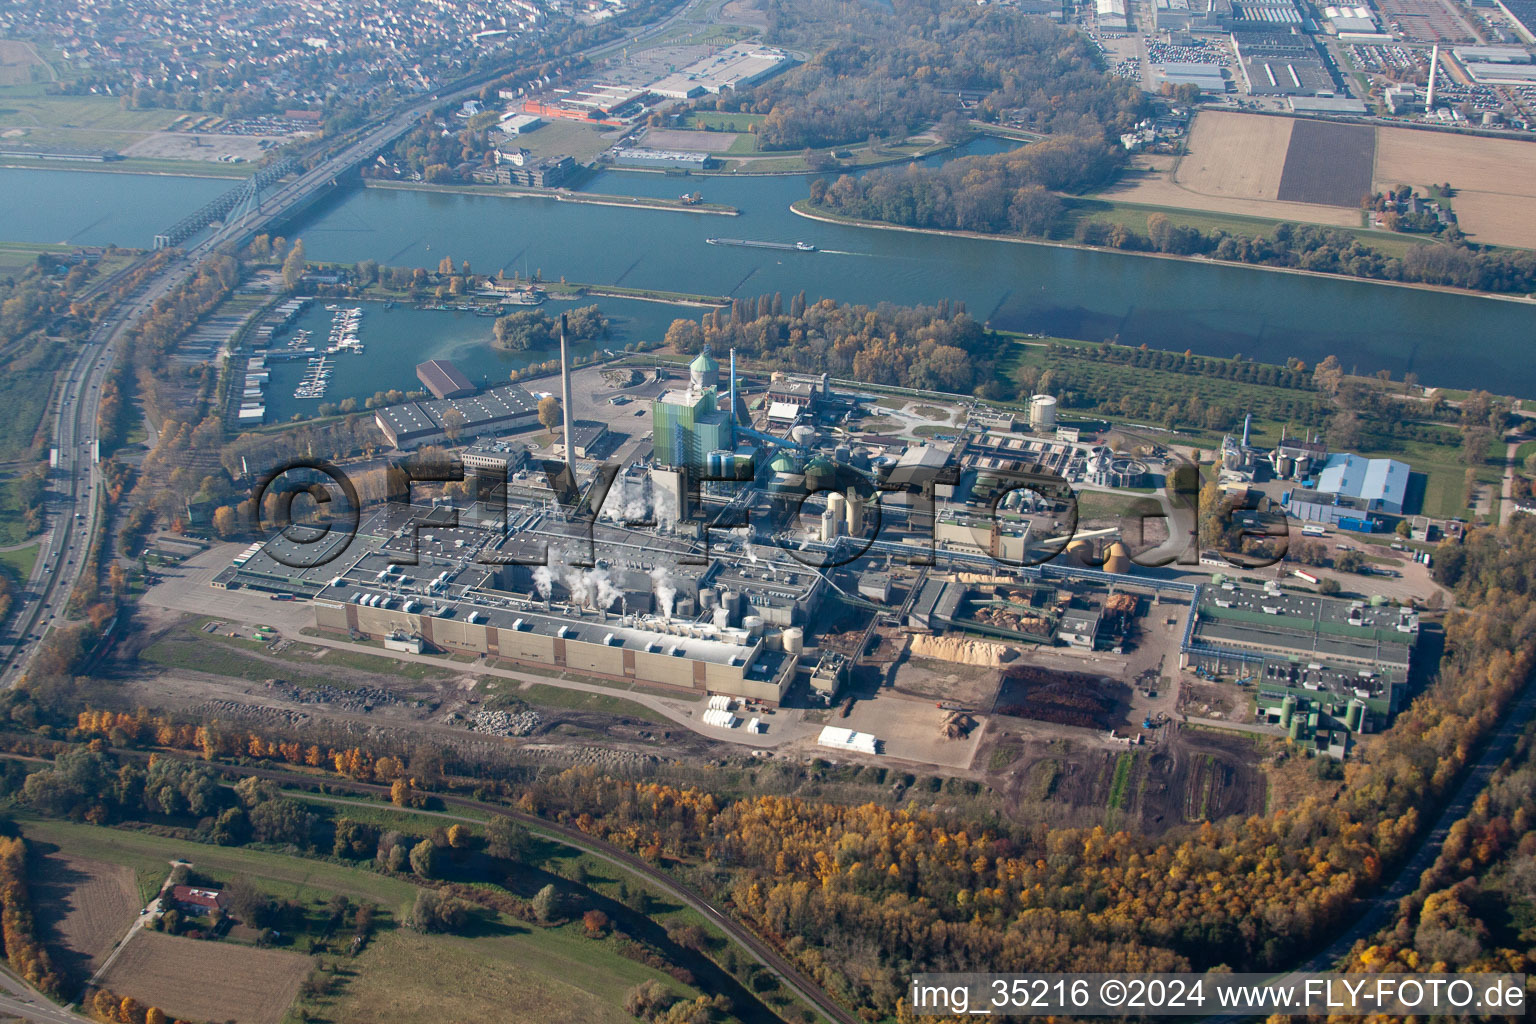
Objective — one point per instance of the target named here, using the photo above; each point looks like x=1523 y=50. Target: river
x=1448 y=339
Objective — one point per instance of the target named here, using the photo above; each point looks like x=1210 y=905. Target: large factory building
x=674 y=655
x=508 y=584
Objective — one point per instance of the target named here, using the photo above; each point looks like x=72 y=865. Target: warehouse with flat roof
x=665 y=159
x=735 y=67
x=1293 y=644
x=443 y=379
x=497 y=410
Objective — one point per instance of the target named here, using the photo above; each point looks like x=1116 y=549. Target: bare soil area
x=1233 y=166
x=83 y=907
x=1495 y=188
x=1241 y=156
x=197 y=980
x=1074 y=777
x=676 y=138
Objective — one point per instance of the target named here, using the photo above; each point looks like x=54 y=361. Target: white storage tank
x=1042 y=412
x=794 y=640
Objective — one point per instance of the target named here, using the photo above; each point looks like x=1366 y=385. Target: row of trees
x=111 y=1008
x=1448 y=263
x=1013 y=192
x=18 y=927
x=935 y=348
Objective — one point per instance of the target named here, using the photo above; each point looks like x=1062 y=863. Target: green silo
x=1354 y=715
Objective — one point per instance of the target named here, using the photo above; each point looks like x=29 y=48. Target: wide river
x=1448 y=339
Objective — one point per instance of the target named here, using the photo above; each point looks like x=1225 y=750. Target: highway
x=72 y=487
x=22 y=1001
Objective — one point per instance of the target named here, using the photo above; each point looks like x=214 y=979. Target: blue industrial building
x=1348 y=490
x=1382 y=484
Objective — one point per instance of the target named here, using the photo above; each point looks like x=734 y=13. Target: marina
x=317 y=377
x=400 y=335
x=344 y=331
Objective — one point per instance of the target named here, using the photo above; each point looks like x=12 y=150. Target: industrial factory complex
x=761 y=548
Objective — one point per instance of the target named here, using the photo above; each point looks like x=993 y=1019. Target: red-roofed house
x=195 y=901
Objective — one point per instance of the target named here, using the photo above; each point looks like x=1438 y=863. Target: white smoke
x=666 y=593
x=592 y=589
x=637 y=505
x=604 y=593
x=751 y=553
x=543 y=581
x=666 y=508
x=580 y=589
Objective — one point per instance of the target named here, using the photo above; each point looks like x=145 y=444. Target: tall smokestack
x=733 y=398
x=565 y=400
x=1247 y=424
x=1434 y=67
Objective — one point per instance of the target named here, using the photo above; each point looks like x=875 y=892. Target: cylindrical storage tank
x=794 y=640
x=1284 y=465
x=683 y=608
x=1377 y=600
x=732 y=601
x=837 y=505
x=1042 y=412
x=708 y=599
x=1082 y=550
x=753 y=624
x=1354 y=715
x=1118 y=559
x=1295 y=728
x=1287 y=711
x=722 y=464
x=829 y=524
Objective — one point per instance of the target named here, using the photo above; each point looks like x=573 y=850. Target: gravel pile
x=505 y=723
x=362 y=698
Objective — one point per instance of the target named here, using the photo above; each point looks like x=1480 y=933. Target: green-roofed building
x=1349 y=659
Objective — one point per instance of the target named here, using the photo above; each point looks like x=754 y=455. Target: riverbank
x=803 y=208
x=574 y=289
x=153 y=168
x=794 y=164
x=562 y=196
